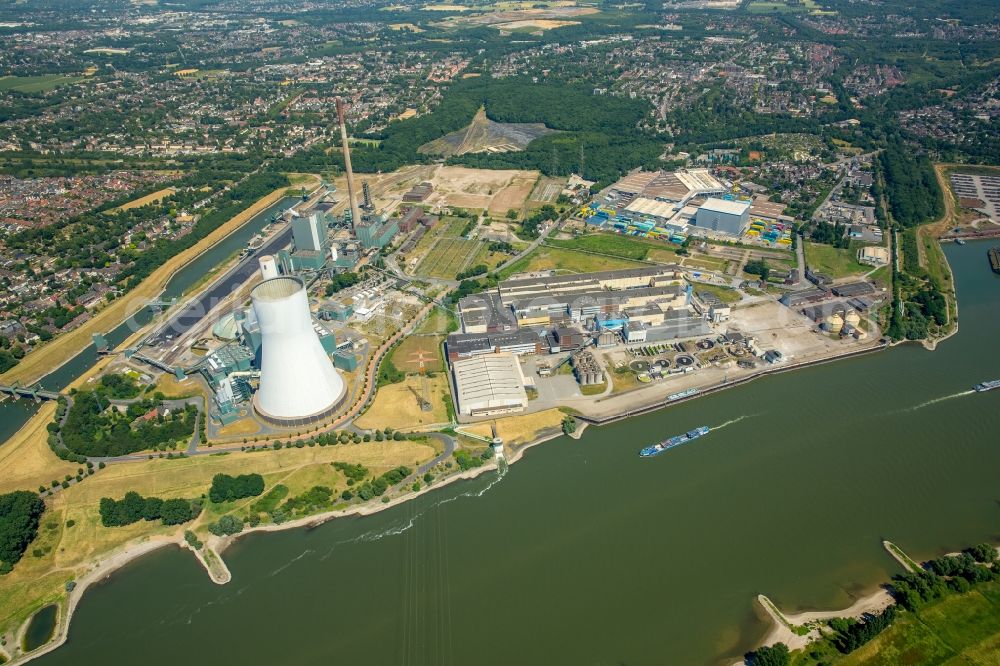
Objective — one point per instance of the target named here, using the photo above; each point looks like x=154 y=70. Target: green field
x=959 y=629
x=566 y=261
x=833 y=261
x=418 y=351
x=33 y=84
x=448 y=257
x=625 y=247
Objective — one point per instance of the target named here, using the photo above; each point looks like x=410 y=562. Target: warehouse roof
x=490 y=380
x=724 y=206
x=645 y=206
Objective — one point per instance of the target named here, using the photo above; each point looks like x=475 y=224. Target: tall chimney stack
x=352 y=199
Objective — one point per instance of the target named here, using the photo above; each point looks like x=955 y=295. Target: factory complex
x=689 y=202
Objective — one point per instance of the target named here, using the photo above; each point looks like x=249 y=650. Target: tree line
x=134 y=507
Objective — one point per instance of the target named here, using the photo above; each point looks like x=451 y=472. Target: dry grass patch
x=519 y=429
x=396 y=405
x=152 y=197
x=168 y=385
x=241 y=427
x=26 y=461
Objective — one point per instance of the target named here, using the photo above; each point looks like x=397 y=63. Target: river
x=584 y=554
x=14 y=414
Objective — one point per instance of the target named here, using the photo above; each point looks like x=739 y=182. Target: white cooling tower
x=268 y=267
x=298 y=383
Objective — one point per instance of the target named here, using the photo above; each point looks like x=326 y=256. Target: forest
x=911 y=186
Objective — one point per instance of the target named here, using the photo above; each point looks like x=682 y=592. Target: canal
x=585 y=554
x=14 y=414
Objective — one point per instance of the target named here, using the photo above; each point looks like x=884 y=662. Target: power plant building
x=488 y=385
x=722 y=216
x=298 y=383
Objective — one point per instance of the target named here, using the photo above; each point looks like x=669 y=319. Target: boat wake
x=734 y=421
x=937 y=400
x=403 y=526
x=290 y=562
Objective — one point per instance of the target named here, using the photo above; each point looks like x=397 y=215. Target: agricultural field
x=833 y=261
x=419 y=352
x=448 y=257
x=567 y=261
x=626 y=247
x=34 y=84
x=152 y=197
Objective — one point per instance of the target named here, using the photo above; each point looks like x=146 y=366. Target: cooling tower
x=268 y=267
x=298 y=384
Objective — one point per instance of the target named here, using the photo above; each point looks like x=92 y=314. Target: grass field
x=833 y=261
x=26 y=461
x=626 y=247
x=724 y=294
x=397 y=406
x=569 y=261
x=448 y=257
x=438 y=321
x=33 y=84
x=152 y=197
x=960 y=629
x=416 y=349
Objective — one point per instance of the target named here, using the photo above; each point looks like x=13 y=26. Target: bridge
x=36 y=393
x=153 y=362
x=161 y=304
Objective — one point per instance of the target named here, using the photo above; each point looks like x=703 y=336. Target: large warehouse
x=489 y=384
x=720 y=215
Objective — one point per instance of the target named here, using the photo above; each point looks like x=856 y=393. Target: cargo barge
x=994 y=254
x=987 y=386
x=667 y=444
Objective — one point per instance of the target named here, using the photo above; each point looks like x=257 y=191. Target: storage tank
x=268 y=267
x=852 y=318
x=298 y=383
x=834 y=323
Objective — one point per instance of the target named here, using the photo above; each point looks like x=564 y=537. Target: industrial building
x=466 y=345
x=485 y=313
x=873 y=256
x=298 y=383
x=488 y=385
x=723 y=216
x=309 y=242
x=550 y=300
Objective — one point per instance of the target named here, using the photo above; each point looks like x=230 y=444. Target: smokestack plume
x=352 y=199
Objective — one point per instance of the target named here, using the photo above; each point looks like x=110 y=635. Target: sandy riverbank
x=782 y=623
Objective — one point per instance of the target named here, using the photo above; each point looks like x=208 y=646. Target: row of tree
x=134 y=507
